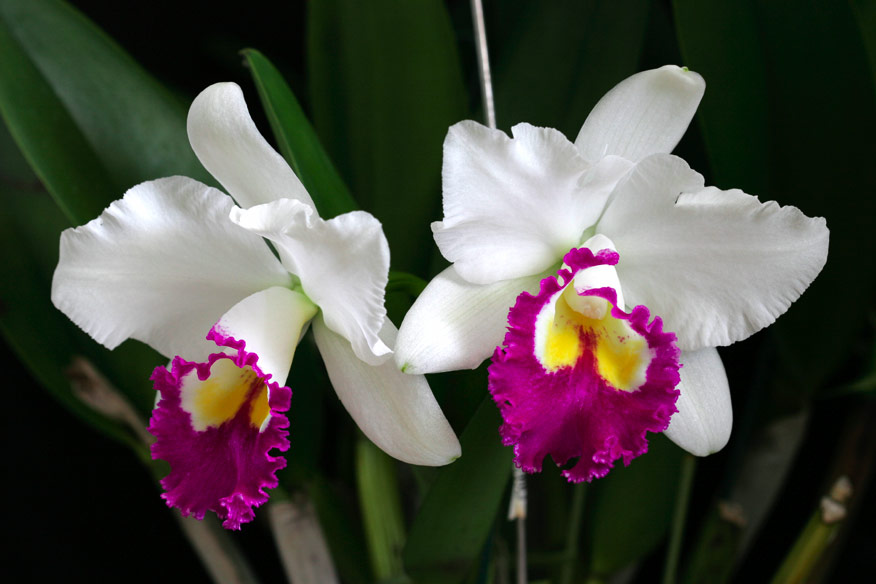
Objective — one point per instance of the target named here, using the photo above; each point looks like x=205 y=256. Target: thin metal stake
x=517 y=508
x=477 y=13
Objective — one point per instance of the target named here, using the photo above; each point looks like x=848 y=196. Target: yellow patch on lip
x=221 y=396
x=261 y=410
x=562 y=337
x=563 y=334
x=622 y=354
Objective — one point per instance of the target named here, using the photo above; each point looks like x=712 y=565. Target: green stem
x=819 y=533
x=670 y=568
x=381 y=510
x=573 y=533
x=806 y=552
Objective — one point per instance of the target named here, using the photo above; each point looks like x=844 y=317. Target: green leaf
x=48 y=136
x=554 y=60
x=343 y=534
x=92 y=123
x=865 y=16
x=42 y=338
x=297 y=140
x=404 y=282
x=715 y=549
x=822 y=122
x=632 y=507
x=377 y=480
x=449 y=531
x=385 y=85
x=720 y=42
x=134 y=126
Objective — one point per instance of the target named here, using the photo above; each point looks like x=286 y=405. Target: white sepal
x=705 y=415
x=395 y=411
x=230 y=147
x=644 y=114
x=455 y=324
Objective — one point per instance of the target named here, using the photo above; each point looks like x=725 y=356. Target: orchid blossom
x=638 y=228
x=177 y=265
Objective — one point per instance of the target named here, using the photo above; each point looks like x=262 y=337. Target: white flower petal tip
x=644 y=114
x=231 y=148
x=343 y=264
x=270 y=322
x=395 y=411
x=161 y=265
x=513 y=206
x=455 y=324
x=716 y=265
x=705 y=415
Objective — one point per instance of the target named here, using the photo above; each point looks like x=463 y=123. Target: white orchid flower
x=177 y=265
x=716 y=266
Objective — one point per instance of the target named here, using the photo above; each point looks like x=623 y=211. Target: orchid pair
x=177 y=265
x=622 y=223
x=609 y=222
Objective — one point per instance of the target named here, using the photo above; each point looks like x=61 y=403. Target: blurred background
x=789 y=115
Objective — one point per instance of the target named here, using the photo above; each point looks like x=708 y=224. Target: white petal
x=396 y=411
x=343 y=264
x=270 y=322
x=161 y=265
x=230 y=146
x=705 y=416
x=455 y=324
x=717 y=266
x=644 y=114
x=513 y=207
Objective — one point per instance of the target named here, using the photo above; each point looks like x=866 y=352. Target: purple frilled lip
x=572 y=412
x=223 y=467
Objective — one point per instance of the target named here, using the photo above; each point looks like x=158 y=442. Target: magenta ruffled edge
x=567 y=413
x=224 y=469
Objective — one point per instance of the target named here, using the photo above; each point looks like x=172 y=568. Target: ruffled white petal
x=513 y=207
x=270 y=322
x=642 y=115
x=161 y=265
x=396 y=411
x=717 y=266
x=705 y=415
x=455 y=324
x=230 y=146
x=343 y=264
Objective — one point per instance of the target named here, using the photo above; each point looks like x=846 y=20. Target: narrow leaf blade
x=452 y=525
x=297 y=139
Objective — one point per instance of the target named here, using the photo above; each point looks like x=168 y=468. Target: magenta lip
x=224 y=469
x=573 y=412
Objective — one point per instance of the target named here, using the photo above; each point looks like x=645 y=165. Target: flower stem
x=573 y=534
x=521 y=551
x=300 y=540
x=670 y=568
x=222 y=559
x=381 y=510
x=819 y=533
x=517 y=511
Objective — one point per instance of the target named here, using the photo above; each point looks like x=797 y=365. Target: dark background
x=82 y=506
